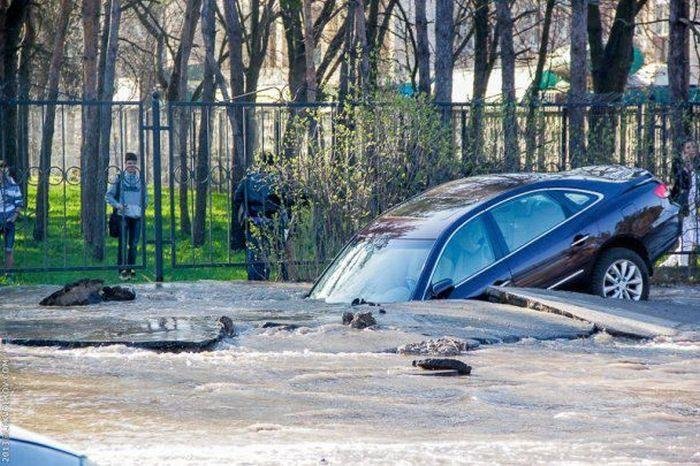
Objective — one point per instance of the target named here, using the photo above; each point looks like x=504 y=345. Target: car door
x=471 y=258
x=549 y=240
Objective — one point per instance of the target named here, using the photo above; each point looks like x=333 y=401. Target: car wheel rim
x=623 y=280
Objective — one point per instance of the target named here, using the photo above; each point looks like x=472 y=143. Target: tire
x=620 y=273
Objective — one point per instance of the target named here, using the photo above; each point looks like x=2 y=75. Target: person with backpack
x=127 y=195
x=260 y=211
x=10 y=206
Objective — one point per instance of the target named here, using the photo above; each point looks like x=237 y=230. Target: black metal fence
x=194 y=154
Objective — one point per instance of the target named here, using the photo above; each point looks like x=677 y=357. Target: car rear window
x=579 y=200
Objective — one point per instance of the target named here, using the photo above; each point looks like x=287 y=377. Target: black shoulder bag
x=114 y=220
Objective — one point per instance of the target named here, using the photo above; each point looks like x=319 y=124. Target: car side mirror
x=442 y=289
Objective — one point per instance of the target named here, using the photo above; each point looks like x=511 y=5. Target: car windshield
x=377 y=270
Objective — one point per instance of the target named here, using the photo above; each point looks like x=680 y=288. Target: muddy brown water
x=275 y=396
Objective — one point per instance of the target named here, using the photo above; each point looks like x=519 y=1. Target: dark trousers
x=257 y=251
x=129 y=234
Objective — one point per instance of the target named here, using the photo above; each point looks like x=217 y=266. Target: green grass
x=64 y=246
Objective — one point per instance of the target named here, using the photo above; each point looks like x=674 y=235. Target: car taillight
x=661 y=190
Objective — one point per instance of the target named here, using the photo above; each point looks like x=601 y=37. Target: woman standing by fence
x=685 y=193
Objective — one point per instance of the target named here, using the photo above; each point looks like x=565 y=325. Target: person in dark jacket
x=260 y=210
x=128 y=195
x=685 y=193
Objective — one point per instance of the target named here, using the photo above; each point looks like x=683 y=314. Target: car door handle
x=579 y=240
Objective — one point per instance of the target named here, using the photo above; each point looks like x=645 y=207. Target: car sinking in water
x=597 y=229
x=26 y=448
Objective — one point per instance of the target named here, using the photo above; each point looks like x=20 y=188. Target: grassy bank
x=64 y=245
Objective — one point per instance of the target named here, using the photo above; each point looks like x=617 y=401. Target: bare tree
x=679 y=71
x=42 y=197
x=201 y=175
x=577 y=89
x=533 y=94
x=177 y=90
x=423 y=48
x=610 y=68
x=444 y=52
x=309 y=50
x=234 y=31
x=347 y=67
x=485 y=55
x=361 y=30
x=510 y=124
x=90 y=121
x=12 y=18
x=25 y=72
x=105 y=123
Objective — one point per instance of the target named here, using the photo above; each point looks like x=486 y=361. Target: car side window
x=526 y=217
x=468 y=251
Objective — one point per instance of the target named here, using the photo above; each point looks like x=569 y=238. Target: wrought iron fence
x=340 y=161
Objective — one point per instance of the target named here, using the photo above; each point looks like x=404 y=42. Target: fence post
x=157 y=186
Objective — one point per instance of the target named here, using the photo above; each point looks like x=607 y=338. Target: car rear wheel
x=620 y=273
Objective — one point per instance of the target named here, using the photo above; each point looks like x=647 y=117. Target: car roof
x=23 y=435
x=429 y=213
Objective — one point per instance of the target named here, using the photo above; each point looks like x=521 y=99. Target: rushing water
x=277 y=396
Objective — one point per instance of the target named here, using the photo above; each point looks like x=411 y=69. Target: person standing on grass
x=260 y=211
x=128 y=196
x=685 y=193
x=10 y=206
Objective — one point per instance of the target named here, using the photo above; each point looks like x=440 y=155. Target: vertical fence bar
x=171 y=175
x=157 y=194
x=143 y=151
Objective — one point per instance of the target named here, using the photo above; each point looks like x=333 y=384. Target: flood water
x=325 y=395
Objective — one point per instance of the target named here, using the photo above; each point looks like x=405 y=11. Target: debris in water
x=227 y=327
x=347 y=317
x=118 y=293
x=360 y=320
x=87 y=291
x=445 y=346
x=279 y=325
x=80 y=293
x=435 y=364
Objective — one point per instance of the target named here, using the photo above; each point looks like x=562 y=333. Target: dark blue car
x=598 y=229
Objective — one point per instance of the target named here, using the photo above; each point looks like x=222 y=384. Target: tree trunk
x=203 y=151
x=182 y=116
x=361 y=30
x=294 y=37
x=89 y=146
x=510 y=123
x=482 y=70
x=105 y=128
x=42 y=196
x=533 y=94
x=577 y=90
x=25 y=79
x=236 y=70
x=15 y=16
x=610 y=69
x=309 y=50
x=444 y=57
x=422 y=48
x=678 y=72
x=347 y=66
